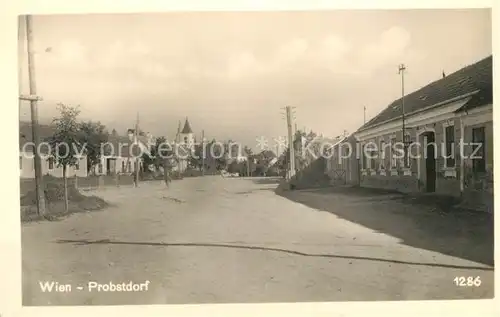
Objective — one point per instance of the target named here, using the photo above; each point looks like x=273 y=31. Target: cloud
x=332 y=53
x=71 y=51
x=245 y=64
x=140 y=49
x=135 y=59
x=328 y=53
x=242 y=65
x=333 y=48
x=389 y=48
x=66 y=54
x=291 y=52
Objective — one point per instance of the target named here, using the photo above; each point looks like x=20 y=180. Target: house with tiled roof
x=339 y=166
x=118 y=155
x=438 y=118
x=121 y=154
x=49 y=166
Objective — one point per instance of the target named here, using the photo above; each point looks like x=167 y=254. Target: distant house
x=49 y=166
x=121 y=153
x=341 y=164
x=437 y=117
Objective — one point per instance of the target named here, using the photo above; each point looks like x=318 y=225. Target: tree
x=248 y=153
x=196 y=160
x=233 y=167
x=65 y=143
x=159 y=152
x=93 y=135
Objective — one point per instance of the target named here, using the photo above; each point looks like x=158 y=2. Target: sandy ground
x=216 y=240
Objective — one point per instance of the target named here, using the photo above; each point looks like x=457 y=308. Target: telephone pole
x=33 y=98
x=202 y=152
x=402 y=69
x=137 y=144
x=290 y=141
x=364 y=114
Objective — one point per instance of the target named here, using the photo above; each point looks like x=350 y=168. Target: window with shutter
x=408 y=142
x=449 y=138
x=478 y=149
x=51 y=163
x=394 y=161
x=382 y=155
x=363 y=161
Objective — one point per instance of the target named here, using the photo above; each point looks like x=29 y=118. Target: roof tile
x=478 y=76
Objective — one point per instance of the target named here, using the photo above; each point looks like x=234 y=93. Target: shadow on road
x=232 y=246
x=267 y=180
x=420 y=224
x=248 y=192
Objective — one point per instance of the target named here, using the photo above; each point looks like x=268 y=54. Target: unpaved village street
x=226 y=240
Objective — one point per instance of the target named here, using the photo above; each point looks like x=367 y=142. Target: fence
x=89 y=182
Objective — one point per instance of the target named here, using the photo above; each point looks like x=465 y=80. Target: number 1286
x=467 y=281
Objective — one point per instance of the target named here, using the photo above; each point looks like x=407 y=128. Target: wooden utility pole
x=202 y=152
x=402 y=69
x=364 y=115
x=137 y=166
x=290 y=142
x=40 y=193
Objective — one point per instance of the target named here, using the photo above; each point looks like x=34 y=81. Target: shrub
x=54 y=192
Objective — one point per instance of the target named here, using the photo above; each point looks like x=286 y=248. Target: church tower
x=187 y=135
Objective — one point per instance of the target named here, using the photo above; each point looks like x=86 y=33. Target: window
x=373 y=161
x=129 y=167
x=77 y=164
x=407 y=156
x=382 y=155
x=478 y=143
x=51 y=163
x=370 y=155
x=123 y=167
x=363 y=155
x=394 y=161
x=99 y=168
x=449 y=140
x=347 y=154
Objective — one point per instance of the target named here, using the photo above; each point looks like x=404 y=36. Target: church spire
x=187 y=128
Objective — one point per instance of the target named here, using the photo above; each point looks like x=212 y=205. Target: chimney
x=444 y=75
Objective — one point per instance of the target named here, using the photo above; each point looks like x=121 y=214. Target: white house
x=49 y=166
x=120 y=154
x=453 y=110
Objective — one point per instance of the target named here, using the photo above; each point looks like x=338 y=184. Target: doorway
x=110 y=166
x=430 y=162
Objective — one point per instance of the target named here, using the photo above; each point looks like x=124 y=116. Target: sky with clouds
x=232 y=72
